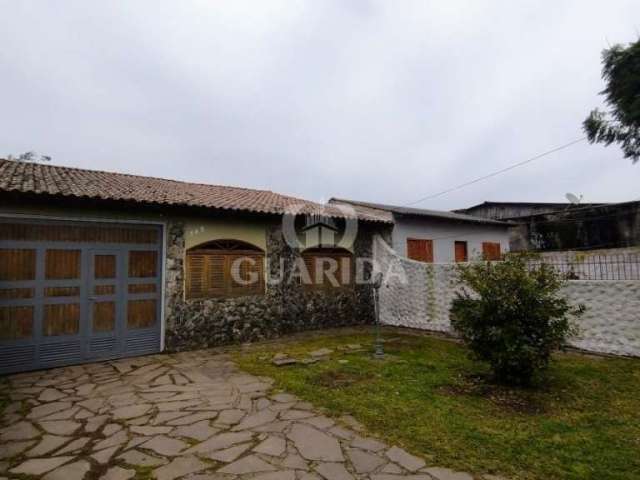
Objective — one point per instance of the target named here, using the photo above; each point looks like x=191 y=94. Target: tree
x=514 y=317
x=30 y=156
x=621 y=124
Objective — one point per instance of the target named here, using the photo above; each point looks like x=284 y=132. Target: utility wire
x=498 y=172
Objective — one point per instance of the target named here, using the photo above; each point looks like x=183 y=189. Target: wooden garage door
x=73 y=292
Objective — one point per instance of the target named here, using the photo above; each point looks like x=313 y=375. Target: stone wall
x=611 y=323
x=419 y=295
x=284 y=308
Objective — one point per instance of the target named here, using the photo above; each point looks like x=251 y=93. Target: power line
x=498 y=172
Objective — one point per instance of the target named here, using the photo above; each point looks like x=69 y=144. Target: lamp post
x=378 y=346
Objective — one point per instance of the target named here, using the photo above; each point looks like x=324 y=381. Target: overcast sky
x=385 y=101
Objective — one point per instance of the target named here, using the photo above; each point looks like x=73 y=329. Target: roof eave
x=123 y=202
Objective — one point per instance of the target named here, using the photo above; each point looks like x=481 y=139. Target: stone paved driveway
x=192 y=415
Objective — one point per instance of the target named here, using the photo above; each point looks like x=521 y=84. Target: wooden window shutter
x=429 y=248
x=209 y=274
x=491 y=251
x=196 y=276
x=460 y=250
x=309 y=264
x=315 y=263
x=242 y=270
x=256 y=270
x=420 y=249
x=345 y=270
x=217 y=276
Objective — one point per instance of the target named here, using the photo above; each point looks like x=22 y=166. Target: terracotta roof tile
x=38 y=178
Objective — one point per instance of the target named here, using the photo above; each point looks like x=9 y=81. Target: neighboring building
x=608 y=226
x=565 y=226
x=513 y=210
x=97 y=265
x=438 y=236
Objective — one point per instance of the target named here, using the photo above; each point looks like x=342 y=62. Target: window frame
x=487 y=246
x=466 y=251
x=428 y=250
x=333 y=253
x=231 y=250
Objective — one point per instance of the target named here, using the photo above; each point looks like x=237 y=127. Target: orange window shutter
x=420 y=249
x=429 y=252
x=411 y=249
x=460 y=251
x=491 y=251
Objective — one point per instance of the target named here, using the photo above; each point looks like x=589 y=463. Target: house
x=607 y=226
x=438 y=236
x=514 y=210
x=562 y=226
x=97 y=265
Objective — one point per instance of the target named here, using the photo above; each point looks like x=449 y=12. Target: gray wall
x=444 y=233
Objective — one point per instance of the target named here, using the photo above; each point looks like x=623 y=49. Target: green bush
x=512 y=316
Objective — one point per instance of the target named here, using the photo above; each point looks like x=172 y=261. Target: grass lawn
x=427 y=396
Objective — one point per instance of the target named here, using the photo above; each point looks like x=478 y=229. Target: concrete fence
x=419 y=295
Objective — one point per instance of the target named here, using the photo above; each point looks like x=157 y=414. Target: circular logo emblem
x=329 y=226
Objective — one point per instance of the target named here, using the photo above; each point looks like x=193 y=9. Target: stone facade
x=285 y=306
x=419 y=295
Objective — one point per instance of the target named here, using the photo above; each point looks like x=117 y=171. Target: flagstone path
x=191 y=415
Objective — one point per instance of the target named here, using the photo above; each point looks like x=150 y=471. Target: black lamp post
x=378 y=346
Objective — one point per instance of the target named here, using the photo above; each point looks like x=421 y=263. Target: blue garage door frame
x=109 y=307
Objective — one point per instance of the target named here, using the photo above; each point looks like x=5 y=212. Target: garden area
x=428 y=396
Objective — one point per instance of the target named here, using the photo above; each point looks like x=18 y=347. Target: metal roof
x=421 y=212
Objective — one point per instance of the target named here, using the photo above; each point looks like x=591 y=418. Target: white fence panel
x=419 y=295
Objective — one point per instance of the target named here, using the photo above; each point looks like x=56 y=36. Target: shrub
x=514 y=317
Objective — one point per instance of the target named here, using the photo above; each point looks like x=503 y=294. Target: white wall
x=420 y=297
x=611 y=323
x=445 y=233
